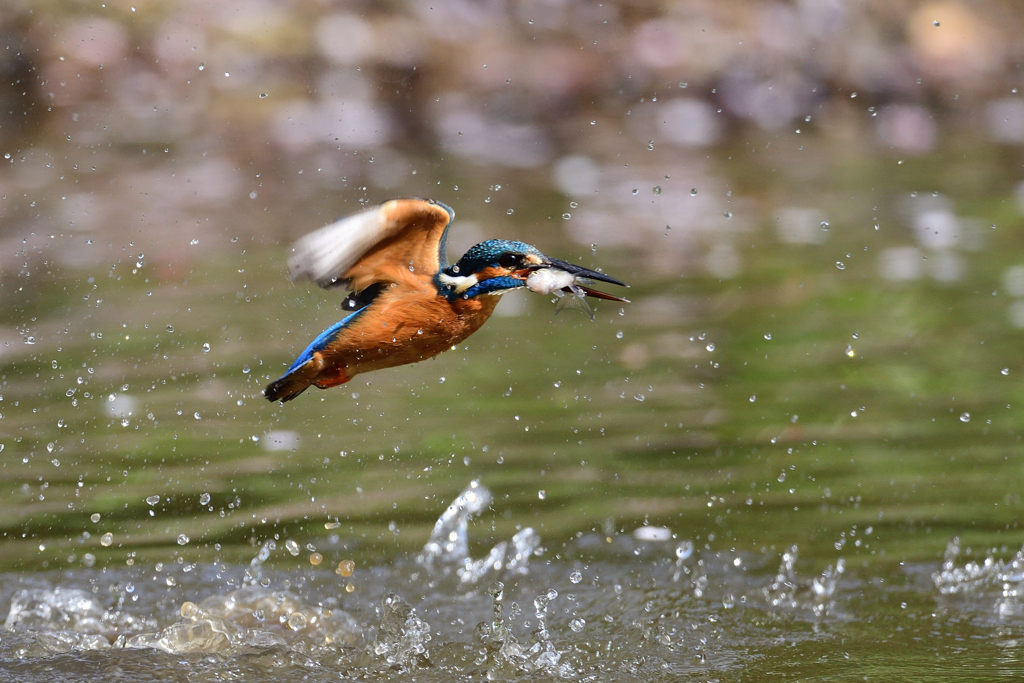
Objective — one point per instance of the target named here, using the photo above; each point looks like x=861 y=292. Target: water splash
x=60 y=609
x=402 y=637
x=787 y=591
x=254 y=573
x=250 y=617
x=448 y=546
x=975 y=576
x=448 y=543
x=504 y=655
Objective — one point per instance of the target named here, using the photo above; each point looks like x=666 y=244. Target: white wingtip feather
x=324 y=254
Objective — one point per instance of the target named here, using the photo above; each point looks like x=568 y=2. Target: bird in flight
x=405 y=303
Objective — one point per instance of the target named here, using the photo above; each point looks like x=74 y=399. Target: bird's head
x=499 y=266
x=491 y=267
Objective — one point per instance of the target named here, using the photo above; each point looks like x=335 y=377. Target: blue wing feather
x=325 y=338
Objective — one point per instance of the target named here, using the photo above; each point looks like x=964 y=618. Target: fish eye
x=509 y=260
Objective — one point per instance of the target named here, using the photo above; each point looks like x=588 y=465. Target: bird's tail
x=301 y=378
x=293 y=383
x=286 y=388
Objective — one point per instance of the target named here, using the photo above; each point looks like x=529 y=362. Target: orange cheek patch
x=489 y=272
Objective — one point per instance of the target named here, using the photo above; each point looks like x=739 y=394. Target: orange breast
x=404 y=325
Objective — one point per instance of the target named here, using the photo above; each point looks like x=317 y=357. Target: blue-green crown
x=487 y=254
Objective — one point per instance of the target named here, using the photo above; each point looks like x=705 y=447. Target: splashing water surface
x=605 y=607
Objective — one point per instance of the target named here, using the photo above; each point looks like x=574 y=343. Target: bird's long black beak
x=580 y=271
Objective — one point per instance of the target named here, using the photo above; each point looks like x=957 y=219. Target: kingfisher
x=405 y=303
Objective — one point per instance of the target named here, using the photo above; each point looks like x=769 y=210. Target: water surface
x=795 y=453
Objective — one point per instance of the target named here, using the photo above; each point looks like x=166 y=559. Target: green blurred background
x=818 y=205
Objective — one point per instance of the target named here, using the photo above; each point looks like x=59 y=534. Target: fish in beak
x=561 y=279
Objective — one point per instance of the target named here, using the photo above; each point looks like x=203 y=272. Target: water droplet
x=656 y=189
x=573 y=205
x=684 y=85
x=315 y=559
x=824 y=226
x=566 y=216
x=710 y=347
x=753 y=398
x=782 y=477
x=728 y=215
x=94 y=517
x=650 y=146
x=577 y=624
x=510 y=212
x=542 y=494
x=202 y=65
x=840 y=265
x=1004 y=371
x=170 y=328
x=206 y=347
x=965 y=417
x=246 y=370
x=850 y=351
x=296 y=621
x=935 y=23
x=639 y=397
x=576 y=576
x=263 y=95
x=693 y=192
x=204 y=499
x=153 y=500
x=107 y=539
x=768 y=336
x=183 y=539
x=618 y=335
x=635 y=191
x=346 y=567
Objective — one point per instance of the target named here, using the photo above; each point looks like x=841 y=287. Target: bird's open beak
x=581 y=274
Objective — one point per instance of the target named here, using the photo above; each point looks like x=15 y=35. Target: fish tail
x=573 y=300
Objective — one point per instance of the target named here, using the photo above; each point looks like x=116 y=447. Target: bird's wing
x=384 y=244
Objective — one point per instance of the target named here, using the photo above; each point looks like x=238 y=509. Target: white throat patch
x=460 y=283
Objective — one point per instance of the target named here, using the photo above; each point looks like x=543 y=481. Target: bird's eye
x=509 y=260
